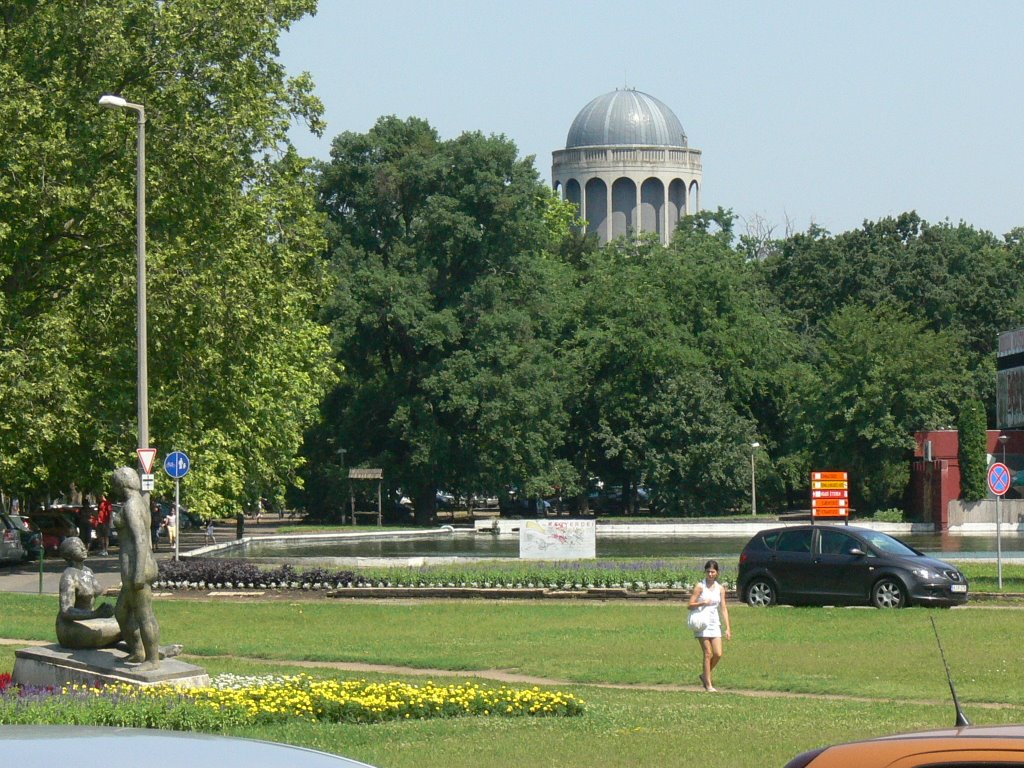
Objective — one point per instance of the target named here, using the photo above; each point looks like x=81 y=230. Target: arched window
x=624 y=218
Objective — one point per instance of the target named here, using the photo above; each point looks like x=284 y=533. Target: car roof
x=818 y=527
x=27 y=746
x=1002 y=744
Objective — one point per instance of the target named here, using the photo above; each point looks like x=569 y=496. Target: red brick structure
x=935 y=470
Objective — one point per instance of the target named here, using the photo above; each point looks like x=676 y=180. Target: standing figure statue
x=80 y=624
x=134 y=609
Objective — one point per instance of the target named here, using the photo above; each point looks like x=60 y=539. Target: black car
x=827 y=564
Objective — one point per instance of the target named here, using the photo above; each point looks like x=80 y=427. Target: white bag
x=696 y=621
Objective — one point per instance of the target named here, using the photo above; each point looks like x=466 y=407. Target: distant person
x=171 y=524
x=103 y=515
x=85 y=524
x=708 y=602
x=210 y=538
x=155 y=522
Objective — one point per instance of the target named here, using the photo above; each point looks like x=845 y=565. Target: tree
x=683 y=364
x=446 y=312
x=237 y=362
x=973 y=451
x=884 y=376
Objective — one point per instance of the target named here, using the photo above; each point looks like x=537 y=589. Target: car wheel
x=760 y=593
x=888 y=593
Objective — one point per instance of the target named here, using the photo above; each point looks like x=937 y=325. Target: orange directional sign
x=830 y=503
x=833 y=484
x=830 y=494
x=828 y=476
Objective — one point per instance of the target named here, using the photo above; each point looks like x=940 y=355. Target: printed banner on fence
x=558 y=540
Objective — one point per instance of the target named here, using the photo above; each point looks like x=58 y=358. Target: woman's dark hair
x=712 y=564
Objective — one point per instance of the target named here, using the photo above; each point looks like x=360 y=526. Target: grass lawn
x=881 y=671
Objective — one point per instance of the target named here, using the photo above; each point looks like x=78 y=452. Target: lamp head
x=112 y=102
x=755 y=444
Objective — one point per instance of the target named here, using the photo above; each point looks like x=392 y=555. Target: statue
x=134 y=609
x=79 y=624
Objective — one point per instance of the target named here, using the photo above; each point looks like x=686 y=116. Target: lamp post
x=753 y=477
x=142 y=384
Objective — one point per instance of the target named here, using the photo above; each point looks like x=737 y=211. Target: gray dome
x=626 y=117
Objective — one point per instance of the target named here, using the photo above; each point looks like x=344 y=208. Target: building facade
x=628 y=167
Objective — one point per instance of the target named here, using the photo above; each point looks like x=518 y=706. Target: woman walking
x=708 y=612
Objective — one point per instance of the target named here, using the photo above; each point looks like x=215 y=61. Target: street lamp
x=753 y=477
x=1002 y=442
x=142 y=384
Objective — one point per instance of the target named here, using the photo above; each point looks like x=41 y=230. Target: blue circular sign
x=176 y=464
x=999 y=478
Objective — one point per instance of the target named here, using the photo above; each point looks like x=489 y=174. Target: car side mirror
x=856 y=552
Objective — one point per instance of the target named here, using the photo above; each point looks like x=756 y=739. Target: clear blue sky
x=809 y=111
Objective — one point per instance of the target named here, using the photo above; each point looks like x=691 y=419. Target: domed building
x=628 y=167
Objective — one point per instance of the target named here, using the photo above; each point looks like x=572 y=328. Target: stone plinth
x=55 y=665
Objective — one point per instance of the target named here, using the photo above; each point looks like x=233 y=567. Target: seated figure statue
x=80 y=624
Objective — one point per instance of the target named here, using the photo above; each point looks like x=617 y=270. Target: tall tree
x=884 y=376
x=237 y=362
x=446 y=312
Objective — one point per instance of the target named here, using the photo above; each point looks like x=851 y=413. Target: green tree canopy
x=446 y=313
x=237 y=363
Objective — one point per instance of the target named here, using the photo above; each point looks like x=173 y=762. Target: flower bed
x=232 y=701
x=637 y=576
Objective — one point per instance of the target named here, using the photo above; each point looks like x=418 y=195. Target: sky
x=807 y=112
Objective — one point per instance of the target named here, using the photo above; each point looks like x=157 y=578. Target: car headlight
x=924 y=573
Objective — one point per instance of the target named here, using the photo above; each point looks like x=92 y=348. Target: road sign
x=830 y=503
x=830 y=494
x=177 y=464
x=146 y=457
x=829 y=484
x=999 y=478
x=829 y=476
x=147 y=481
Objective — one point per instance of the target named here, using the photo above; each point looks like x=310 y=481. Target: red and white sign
x=146 y=458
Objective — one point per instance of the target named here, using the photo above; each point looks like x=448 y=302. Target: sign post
x=177 y=465
x=999 y=484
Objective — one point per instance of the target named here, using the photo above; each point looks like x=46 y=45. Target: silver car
x=11 y=548
x=45 y=746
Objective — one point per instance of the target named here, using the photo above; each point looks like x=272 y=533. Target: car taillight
x=743 y=557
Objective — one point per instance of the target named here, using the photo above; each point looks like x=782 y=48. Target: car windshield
x=19 y=523
x=887 y=544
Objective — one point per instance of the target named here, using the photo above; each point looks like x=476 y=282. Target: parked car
x=11 y=548
x=98 y=747
x=965 y=747
x=55 y=524
x=31 y=540
x=828 y=564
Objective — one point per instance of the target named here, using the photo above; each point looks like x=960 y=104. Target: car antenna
x=961 y=718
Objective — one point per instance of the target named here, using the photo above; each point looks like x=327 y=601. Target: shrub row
x=238 y=574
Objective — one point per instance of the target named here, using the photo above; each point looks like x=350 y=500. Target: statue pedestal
x=54 y=665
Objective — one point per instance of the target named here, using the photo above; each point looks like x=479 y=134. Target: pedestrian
x=106 y=509
x=708 y=612
x=210 y=539
x=171 y=524
x=85 y=524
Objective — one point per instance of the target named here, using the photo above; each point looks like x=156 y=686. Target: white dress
x=713 y=594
